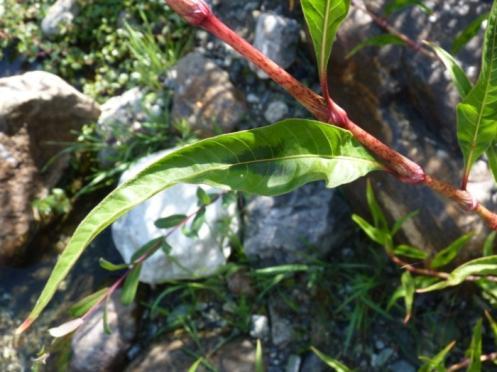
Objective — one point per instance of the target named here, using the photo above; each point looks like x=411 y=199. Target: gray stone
x=282 y=331
x=312 y=363
x=293 y=364
x=379 y=359
x=189 y=258
x=205 y=96
x=60 y=14
x=406 y=99
x=276 y=37
x=95 y=350
x=275 y=111
x=401 y=366
x=36 y=109
x=295 y=227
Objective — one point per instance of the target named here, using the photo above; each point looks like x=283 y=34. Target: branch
x=465 y=362
x=198 y=13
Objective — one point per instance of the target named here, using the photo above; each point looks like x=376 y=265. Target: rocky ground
x=299 y=273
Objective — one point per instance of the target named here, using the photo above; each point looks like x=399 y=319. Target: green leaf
x=323 y=18
x=437 y=362
x=379 y=41
x=259 y=360
x=195 y=366
x=399 y=223
x=374 y=234
x=447 y=255
x=480 y=266
x=474 y=351
x=463 y=37
x=192 y=230
x=396 y=5
x=477 y=113
x=493 y=325
x=492 y=159
x=330 y=362
x=109 y=266
x=131 y=285
x=488 y=245
x=409 y=289
x=204 y=199
x=457 y=74
x=411 y=252
x=147 y=249
x=380 y=221
x=271 y=160
x=171 y=221
x=81 y=307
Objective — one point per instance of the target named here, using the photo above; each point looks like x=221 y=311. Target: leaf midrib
x=485 y=95
x=325 y=38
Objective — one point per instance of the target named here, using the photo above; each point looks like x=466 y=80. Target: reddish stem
x=198 y=13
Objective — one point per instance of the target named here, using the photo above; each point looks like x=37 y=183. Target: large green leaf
x=457 y=74
x=269 y=161
x=323 y=17
x=477 y=113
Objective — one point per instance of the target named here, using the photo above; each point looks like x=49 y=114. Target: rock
x=406 y=100
x=189 y=258
x=59 y=15
x=293 y=364
x=36 y=109
x=93 y=349
x=295 y=227
x=379 y=360
x=259 y=327
x=275 y=111
x=277 y=38
x=401 y=366
x=205 y=97
x=176 y=355
x=312 y=363
x=282 y=330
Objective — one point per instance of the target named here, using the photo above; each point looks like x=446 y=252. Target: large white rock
x=189 y=258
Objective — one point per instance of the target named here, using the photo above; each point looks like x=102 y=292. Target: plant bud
x=193 y=11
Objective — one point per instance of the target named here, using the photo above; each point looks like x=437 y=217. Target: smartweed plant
x=278 y=158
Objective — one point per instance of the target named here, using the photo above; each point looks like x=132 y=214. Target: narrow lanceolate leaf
x=447 y=255
x=409 y=289
x=488 y=245
x=457 y=74
x=323 y=17
x=331 y=362
x=437 y=362
x=130 y=286
x=481 y=266
x=477 y=113
x=474 y=351
x=492 y=159
x=269 y=161
x=379 y=41
x=468 y=33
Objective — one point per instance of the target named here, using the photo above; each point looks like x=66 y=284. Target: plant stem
x=465 y=363
x=199 y=14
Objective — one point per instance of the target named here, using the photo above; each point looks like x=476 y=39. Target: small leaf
x=488 y=245
x=259 y=360
x=378 y=41
x=81 y=307
x=166 y=248
x=380 y=221
x=270 y=161
x=204 y=199
x=131 y=285
x=109 y=266
x=229 y=198
x=147 y=249
x=410 y=252
x=171 y=221
x=396 y=5
x=436 y=363
x=105 y=318
x=463 y=37
x=195 y=366
x=474 y=352
x=480 y=266
x=192 y=230
x=457 y=74
x=447 y=255
x=409 y=290
x=330 y=362
x=477 y=113
x=399 y=223
x=374 y=234
x=66 y=328
x=323 y=18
